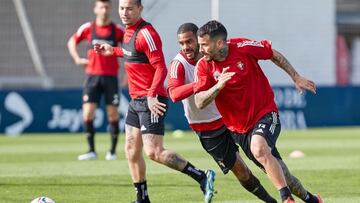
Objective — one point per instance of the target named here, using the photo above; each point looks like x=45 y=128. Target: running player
x=229 y=73
x=207 y=123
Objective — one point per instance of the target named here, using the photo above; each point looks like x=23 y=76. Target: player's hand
x=104 y=49
x=157 y=108
x=302 y=84
x=224 y=77
x=82 y=62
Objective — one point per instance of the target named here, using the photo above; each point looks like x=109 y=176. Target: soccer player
x=229 y=73
x=144 y=129
x=101 y=75
x=207 y=123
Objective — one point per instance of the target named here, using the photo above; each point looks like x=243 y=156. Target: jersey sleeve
x=260 y=50
x=149 y=42
x=202 y=78
x=177 y=88
x=82 y=32
x=118 y=52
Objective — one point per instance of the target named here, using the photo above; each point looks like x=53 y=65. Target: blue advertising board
x=60 y=110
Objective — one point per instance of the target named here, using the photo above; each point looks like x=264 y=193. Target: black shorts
x=220 y=145
x=96 y=85
x=268 y=127
x=139 y=116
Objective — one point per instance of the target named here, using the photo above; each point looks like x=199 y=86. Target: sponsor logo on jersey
x=102 y=41
x=126 y=52
x=250 y=43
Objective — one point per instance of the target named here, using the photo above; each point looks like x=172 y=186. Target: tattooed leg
x=153 y=147
x=133 y=151
x=294 y=184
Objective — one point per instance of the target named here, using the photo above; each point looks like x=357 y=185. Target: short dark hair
x=188 y=27
x=213 y=28
x=138 y=2
x=104 y=1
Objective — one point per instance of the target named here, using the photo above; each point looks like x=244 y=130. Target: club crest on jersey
x=240 y=65
x=216 y=75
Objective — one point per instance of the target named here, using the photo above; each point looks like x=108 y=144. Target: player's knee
x=244 y=176
x=153 y=154
x=130 y=152
x=113 y=117
x=88 y=115
x=261 y=153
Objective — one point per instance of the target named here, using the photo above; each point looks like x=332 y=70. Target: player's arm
x=108 y=50
x=301 y=83
x=72 y=47
x=204 y=98
x=149 y=42
x=177 y=88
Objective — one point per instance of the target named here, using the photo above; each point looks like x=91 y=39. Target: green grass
x=35 y=165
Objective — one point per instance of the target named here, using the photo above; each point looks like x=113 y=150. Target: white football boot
x=87 y=156
x=110 y=157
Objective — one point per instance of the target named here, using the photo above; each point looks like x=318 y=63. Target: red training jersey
x=99 y=64
x=145 y=79
x=179 y=88
x=247 y=96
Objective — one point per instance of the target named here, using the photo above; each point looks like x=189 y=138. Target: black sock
x=114 y=132
x=141 y=192
x=285 y=193
x=310 y=198
x=90 y=134
x=254 y=186
x=193 y=172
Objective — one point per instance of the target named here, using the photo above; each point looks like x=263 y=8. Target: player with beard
x=207 y=123
x=229 y=73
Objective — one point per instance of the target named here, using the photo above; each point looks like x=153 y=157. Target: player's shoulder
x=176 y=66
x=201 y=63
x=178 y=61
x=84 y=28
x=148 y=30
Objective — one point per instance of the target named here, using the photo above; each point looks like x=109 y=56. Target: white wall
x=304 y=31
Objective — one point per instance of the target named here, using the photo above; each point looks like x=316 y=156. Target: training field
x=45 y=165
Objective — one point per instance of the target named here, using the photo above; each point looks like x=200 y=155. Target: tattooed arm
x=204 y=98
x=301 y=83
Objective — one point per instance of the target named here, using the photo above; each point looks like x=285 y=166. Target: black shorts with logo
x=220 y=145
x=96 y=85
x=268 y=127
x=139 y=116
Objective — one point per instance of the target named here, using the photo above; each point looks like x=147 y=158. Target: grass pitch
x=35 y=165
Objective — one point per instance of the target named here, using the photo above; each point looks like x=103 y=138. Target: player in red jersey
x=229 y=73
x=207 y=123
x=101 y=74
x=146 y=71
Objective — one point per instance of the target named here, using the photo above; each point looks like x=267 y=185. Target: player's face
x=102 y=10
x=129 y=12
x=208 y=47
x=188 y=45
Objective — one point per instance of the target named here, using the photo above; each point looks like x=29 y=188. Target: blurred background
x=40 y=86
